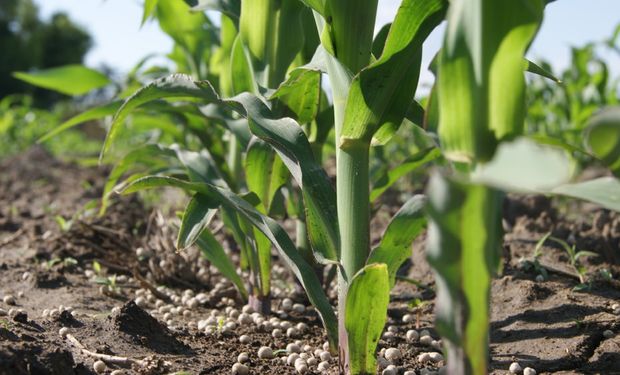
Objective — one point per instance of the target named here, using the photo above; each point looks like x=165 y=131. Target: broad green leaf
x=283 y=134
x=219 y=64
x=91 y=114
x=464 y=249
x=174 y=86
x=537 y=69
x=68 y=79
x=213 y=251
x=415 y=114
x=232 y=8
x=602 y=137
x=192 y=32
x=241 y=71
x=379 y=42
x=604 y=191
x=481 y=83
x=148 y=157
x=405 y=226
x=289 y=39
x=265 y=174
x=382 y=93
x=410 y=164
x=270 y=228
x=524 y=166
x=198 y=214
x=348 y=31
x=149 y=9
x=301 y=92
x=317 y=5
x=365 y=315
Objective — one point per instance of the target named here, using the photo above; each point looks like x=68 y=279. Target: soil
x=86 y=270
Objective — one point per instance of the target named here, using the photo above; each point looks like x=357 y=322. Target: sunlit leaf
x=68 y=79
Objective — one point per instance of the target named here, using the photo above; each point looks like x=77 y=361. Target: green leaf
x=151 y=157
x=269 y=227
x=410 y=164
x=188 y=29
x=301 y=92
x=464 y=249
x=231 y=8
x=602 y=137
x=91 y=114
x=265 y=174
x=197 y=216
x=213 y=251
x=149 y=9
x=365 y=315
x=283 y=134
x=242 y=72
x=174 y=86
x=526 y=167
x=317 y=5
x=405 y=226
x=382 y=93
x=604 y=191
x=68 y=79
x=415 y=114
x=537 y=69
x=481 y=83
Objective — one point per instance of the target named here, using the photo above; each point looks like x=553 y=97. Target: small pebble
x=326 y=346
x=265 y=352
x=529 y=371
x=276 y=333
x=9 y=299
x=245 y=319
x=390 y=370
x=408 y=318
x=608 y=333
x=4 y=313
x=240 y=369
x=244 y=339
x=425 y=332
x=388 y=335
x=323 y=366
x=515 y=368
x=412 y=335
x=99 y=367
x=248 y=309
x=243 y=357
x=287 y=304
x=117 y=372
x=392 y=329
x=290 y=360
x=293 y=348
x=299 y=308
x=392 y=354
x=292 y=332
x=325 y=356
x=63 y=332
x=312 y=361
x=424 y=357
x=540 y=278
x=426 y=340
x=409 y=372
x=26 y=275
x=436 y=357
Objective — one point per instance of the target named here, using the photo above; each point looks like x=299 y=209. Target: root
x=112 y=359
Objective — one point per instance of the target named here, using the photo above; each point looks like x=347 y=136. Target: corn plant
x=372 y=96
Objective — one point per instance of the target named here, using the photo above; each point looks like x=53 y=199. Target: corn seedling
x=243 y=125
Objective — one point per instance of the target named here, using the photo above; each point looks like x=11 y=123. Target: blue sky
x=120 y=42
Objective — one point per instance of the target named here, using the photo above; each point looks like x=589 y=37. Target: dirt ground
x=68 y=267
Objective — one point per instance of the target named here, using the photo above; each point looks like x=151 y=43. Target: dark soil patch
x=546 y=324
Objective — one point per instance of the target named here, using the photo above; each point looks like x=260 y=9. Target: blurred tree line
x=27 y=42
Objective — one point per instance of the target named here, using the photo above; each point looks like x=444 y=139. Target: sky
x=120 y=42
